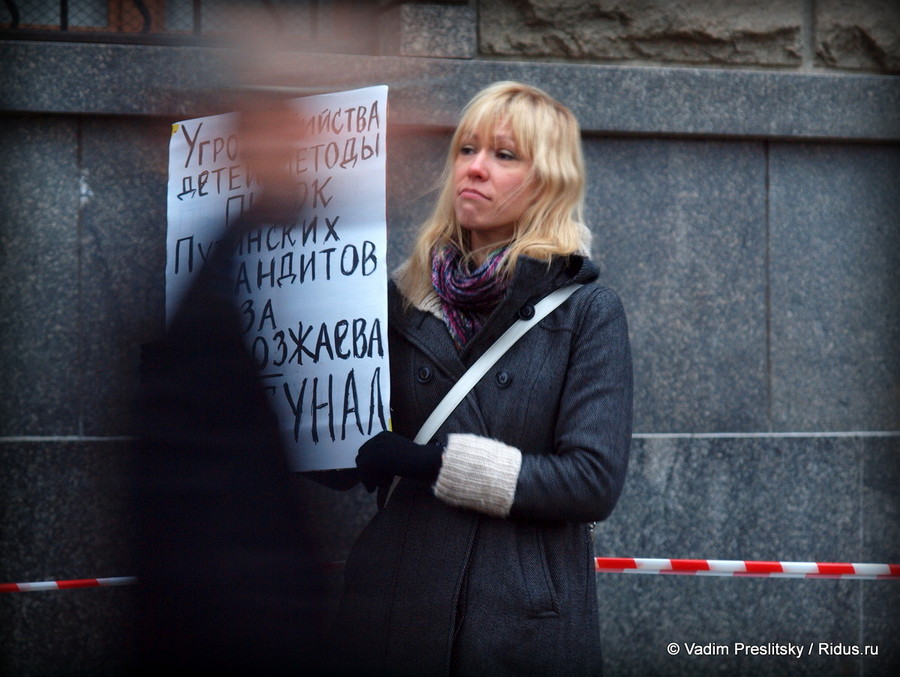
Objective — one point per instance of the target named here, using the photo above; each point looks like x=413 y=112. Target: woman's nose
x=477 y=166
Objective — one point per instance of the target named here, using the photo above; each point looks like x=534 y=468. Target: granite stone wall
x=783 y=34
x=775 y=34
x=747 y=217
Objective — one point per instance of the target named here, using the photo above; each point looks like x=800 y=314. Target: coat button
x=526 y=312
x=503 y=378
x=424 y=374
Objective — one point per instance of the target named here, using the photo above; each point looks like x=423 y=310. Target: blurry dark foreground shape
x=229 y=580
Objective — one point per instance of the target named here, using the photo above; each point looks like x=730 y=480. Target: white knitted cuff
x=478 y=473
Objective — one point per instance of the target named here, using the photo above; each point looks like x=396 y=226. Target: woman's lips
x=472 y=193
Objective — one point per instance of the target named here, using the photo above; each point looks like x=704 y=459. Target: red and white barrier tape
x=724 y=567
x=615 y=565
x=68 y=585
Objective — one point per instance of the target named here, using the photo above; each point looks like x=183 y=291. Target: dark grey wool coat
x=432 y=589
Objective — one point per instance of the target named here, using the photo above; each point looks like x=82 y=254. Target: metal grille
x=96 y=19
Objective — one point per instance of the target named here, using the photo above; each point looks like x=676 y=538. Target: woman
x=481 y=561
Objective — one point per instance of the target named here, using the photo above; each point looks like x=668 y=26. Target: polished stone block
x=123 y=216
x=739 y=498
x=65 y=508
x=835 y=287
x=680 y=232
x=415 y=161
x=881 y=542
x=67 y=632
x=642 y=615
x=66 y=515
x=751 y=498
x=40 y=275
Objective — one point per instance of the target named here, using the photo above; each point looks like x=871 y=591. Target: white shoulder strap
x=474 y=373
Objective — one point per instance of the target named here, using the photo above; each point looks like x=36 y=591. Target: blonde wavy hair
x=547 y=134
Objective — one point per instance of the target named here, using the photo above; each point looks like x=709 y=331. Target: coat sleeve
x=581 y=478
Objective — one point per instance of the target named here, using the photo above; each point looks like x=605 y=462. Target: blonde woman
x=481 y=561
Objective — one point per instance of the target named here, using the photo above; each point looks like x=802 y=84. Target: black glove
x=388 y=455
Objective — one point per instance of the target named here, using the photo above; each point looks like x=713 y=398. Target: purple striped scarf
x=467 y=296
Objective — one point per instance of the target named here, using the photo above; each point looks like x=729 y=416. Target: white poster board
x=312 y=294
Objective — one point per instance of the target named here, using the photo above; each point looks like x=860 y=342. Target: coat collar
x=533 y=279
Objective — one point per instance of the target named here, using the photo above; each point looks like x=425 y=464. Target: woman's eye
x=506 y=155
x=466 y=150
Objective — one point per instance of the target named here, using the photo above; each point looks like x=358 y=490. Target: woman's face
x=491 y=194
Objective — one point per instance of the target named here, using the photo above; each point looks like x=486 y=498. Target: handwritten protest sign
x=312 y=293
